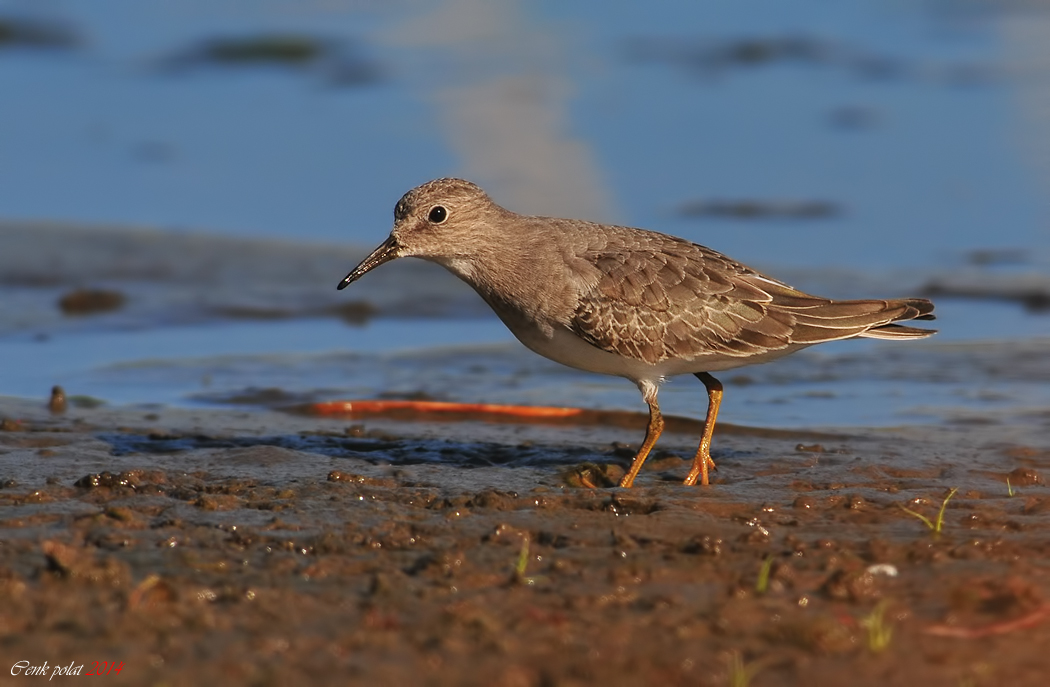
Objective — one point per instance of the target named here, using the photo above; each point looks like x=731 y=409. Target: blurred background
x=183 y=184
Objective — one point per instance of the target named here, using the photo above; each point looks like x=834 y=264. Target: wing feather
x=659 y=297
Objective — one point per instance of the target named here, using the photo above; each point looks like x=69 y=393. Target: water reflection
x=502 y=94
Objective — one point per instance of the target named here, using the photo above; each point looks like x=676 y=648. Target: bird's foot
x=702 y=465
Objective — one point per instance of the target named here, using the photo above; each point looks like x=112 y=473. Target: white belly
x=568 y=349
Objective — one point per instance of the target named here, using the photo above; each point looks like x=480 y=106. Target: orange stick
x=445 y=411
x=381 y=407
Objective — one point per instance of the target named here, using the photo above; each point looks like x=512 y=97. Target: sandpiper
x=623 y=301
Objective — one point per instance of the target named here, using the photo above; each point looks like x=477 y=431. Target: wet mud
x=22 y=32
x=760 y=209
x=129 y=279
x=90 y=301
x=339 y=62
x=707 y=59
x=264 y=547
x=1034 y=296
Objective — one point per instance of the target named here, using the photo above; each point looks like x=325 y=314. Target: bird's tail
x=913 y=309
x=816 y=320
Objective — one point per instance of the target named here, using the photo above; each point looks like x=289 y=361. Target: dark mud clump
x=339 y=61
x=760 y=209
x=1034 y=297
x=36 y=34
x=90 y=301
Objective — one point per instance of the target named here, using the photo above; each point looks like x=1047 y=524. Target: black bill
x=386 y=252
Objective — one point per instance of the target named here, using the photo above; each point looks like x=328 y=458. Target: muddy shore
x=261 y=548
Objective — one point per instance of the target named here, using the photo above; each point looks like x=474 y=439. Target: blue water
x=922 y=125
x=270 y=151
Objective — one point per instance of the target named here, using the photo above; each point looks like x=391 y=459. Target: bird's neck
x=504 y=274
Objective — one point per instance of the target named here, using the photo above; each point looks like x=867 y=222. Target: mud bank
x=258 y=548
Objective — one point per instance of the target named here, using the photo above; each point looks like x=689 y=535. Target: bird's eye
x=438 y=214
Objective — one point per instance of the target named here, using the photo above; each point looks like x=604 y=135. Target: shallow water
x=878 y=149
x=210 y=320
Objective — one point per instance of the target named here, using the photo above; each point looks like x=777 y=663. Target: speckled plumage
x=625 y=301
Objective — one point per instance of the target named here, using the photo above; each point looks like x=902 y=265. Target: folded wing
x=666 y=298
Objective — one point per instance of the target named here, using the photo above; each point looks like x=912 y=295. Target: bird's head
x=437 y=221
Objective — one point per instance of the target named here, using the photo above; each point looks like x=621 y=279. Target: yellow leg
x=652 y=433
x=702 y=461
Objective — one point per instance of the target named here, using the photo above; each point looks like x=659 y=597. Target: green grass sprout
x=938 y=524
x=762 y=584
x=880 y=632
x=523 y=563
x=740 y=673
